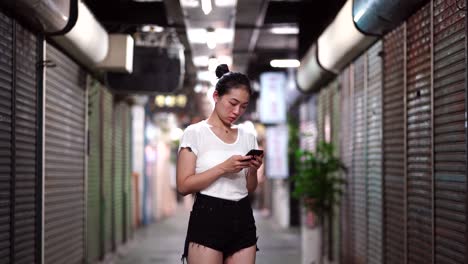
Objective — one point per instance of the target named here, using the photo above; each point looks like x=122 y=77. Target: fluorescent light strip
x=225 y=3
x=285 y=63
x=285 y=30
x=206 y=6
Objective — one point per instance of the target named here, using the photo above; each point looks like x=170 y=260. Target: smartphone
x=254 y=152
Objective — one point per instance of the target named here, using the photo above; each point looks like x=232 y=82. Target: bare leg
x=243 y=256
x=199 y=254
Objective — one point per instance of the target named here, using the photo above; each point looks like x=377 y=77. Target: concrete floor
x=162 y=243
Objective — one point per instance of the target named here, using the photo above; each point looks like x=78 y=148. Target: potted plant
x=316 y=180
x=318 y=185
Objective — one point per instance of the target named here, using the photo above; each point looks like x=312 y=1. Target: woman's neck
x=215 y=121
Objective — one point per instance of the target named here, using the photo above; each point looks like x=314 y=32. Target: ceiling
x=253 y=44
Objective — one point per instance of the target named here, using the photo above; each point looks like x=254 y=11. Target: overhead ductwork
x=377 y=17
x=75 y=29
x=49 y=17
x=311 y=74
x=87 y=41
x=358 y=24
x=335 y=48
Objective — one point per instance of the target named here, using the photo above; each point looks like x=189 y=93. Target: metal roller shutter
x=335 y=134
x=359 y=163
x=449 y=133
x=18 y=143
x=320 y=115
x=64 y=160
x=25 y=129
x=374 y=153
x=336 y=115
x=128 y=172
x=107 y=161
x=394 y=147
x=325 y=117
x=118 y=173
x=419 y=138
x=6 y=151
x=346 y=235
x=94 y=173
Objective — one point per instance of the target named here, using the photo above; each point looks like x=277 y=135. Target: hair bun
x=221 y=70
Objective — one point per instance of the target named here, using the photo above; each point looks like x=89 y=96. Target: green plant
x=317 y=180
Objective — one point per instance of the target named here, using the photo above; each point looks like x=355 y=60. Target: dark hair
x=228 y=80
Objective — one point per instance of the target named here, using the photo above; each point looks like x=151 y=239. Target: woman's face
x=232 y=104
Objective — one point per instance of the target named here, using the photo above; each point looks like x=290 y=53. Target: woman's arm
x=252 y=181
x=190 y=182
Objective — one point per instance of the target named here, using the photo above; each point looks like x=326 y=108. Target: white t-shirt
x=211 y=151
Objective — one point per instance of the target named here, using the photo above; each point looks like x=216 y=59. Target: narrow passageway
x=162 y=242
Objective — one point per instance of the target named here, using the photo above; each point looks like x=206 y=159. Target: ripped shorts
x=223 y=225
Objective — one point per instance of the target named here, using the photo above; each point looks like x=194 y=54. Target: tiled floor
x=162 y=243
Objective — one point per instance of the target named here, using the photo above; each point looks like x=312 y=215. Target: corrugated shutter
x=325 y=135
x=346 y=235
x=374 y=153
x=118 y=173
x=94 y=173
x=128 y=172
x=320 y=115
x=25 y=216
x=107 y=161
x=64 y=160
x=393 y=147
x=449 y=133
x=335 y=137
x=419 y=138
x=6 y=83
x=359 y=163
x=18 y=143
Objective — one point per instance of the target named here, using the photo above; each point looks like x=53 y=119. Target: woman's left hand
x=256 y=162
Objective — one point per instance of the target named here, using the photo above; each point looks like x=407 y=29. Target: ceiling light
x=225 y=3
x=170 y=100
x=211 y=38
x=152 y=28
x=207 y=76
x=212 y=63
x=199 y=35
x=224 y=35
x=181 y=100
x=285 y=63
x=189 y=3
x=159 y=100
x=206 y=6
x=198 y=88
x=196 y=35
x=285 y=30
x=200 y=61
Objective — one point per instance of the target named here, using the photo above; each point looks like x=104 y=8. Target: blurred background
x=95 y=95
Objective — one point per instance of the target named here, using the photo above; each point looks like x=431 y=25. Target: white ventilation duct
x=87 y=41
x=336 y=47
x=50 y=17
x=311 y=75
x=342 y=41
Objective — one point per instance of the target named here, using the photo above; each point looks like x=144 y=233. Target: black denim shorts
x=223 y=225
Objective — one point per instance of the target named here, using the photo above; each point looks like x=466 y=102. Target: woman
x=213 y=165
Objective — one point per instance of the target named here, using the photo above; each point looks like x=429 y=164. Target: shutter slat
x=450 y=144
x=64 y=165
x=6 y=53
x=393 y=146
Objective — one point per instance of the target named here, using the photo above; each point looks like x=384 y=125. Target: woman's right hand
x=236 y=163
